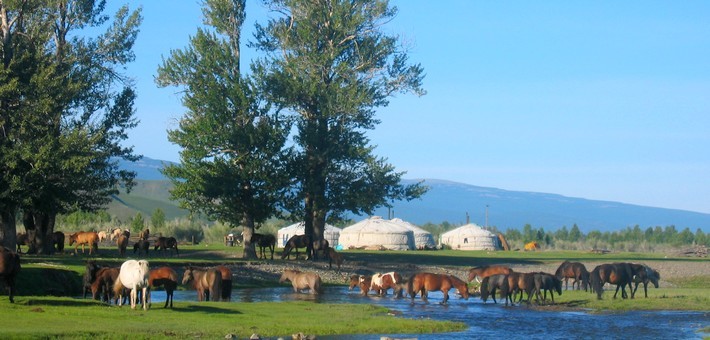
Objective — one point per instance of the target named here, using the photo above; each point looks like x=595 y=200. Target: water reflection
x=491 y=320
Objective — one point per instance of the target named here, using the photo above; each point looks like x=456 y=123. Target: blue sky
x=602 y=100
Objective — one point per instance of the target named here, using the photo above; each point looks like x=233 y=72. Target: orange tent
x=532 y=246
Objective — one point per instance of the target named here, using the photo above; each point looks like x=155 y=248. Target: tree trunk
x=40 y=227
x=249 y=249
x=8 y=228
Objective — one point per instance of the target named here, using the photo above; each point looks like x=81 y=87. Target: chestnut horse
x=166 y=277
x=83 y=238
x=490 y=284
x=102 y=287
x=619 y=274
x=573 y=270
x=302 y=280
x=264 y=241
x=380 y=283
x=424 y=282
x=133 y=275
x=522 y=282
x=361 y=281
x=481 y=272
x=164 y=243
x=122 y=243
x=226 y=282
x=644 y=274
x=9 y=267
x=206 y=281
x=295 y=242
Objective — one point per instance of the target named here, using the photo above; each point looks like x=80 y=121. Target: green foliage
x=137 y=223
x=157 y=219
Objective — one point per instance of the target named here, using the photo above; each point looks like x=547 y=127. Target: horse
x=122 y=243
x=361 y=281
x=491 y=283
x=295 y=242
x=164 y=243
x=226 y=282
x=102 y=287
x=334 y=256
x=22 y=240
x=103 y=235
x=115 y=233
x=573 y=270
x=619 y=274
x=322 y=246
x=89 y=276
x=141 y=246
x=143 y=235
x=82 y=238
x=264 y=241
x=133 y=275
x=423 y=282
x=523 y=282
x=166 y=277
x=302 y=280
x=644 y=274
x=380 y=283
x=58 y=239
x=484 y=271
x=547 y=282
x=207 y=282
x=9 y=267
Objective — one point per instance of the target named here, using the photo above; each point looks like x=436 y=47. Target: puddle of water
x=490 y=319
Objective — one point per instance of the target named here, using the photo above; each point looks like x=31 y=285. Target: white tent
x=284 y=234
x=470 y=237
x=422 y=238
x=377 y=232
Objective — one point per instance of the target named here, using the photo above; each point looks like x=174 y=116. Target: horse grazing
x=58 y=239
x=295 y=242
x=9 y=267
x=547 y=282
x=122 y=243
x=141 y=246
x=424 y=282
x=380 y=283
x=644 y=274
x=619 y=274
x=164 y=243
x=226 y=282
x=302 y=280
x=490 y=284
x=166 y=277
x=83 y=238
x=573 y=270
x=481 y=272
x=206 y=281
x=102 y=287
x=264 y=241
x=133 y=275
x=89 y=276
x=334 y=256
x=361 y=281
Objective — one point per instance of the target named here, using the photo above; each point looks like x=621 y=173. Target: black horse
x=164 y=243
x=264 y=241
x=619 y=274
x=295 y=242
x=491 y=284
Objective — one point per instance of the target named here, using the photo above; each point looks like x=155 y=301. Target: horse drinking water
x=133 y=275
x=424 y=282
x=302 y=280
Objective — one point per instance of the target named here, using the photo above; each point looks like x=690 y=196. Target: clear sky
x=605 y=100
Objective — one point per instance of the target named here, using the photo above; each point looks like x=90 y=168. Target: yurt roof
x=301 y=226
x=409 y=226
x=469 y=230
x=375 y=224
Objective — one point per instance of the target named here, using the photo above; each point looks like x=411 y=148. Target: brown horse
x=166 y=277
x=141 y=246
x=573 y=270
x=165 y=243
x=58 y=239
x=83 y=238
x=424 y=282
x=264 y=241
x=523 y=282
x=644 y=274
x=122 y=243
x=89 y=276
x=102 y=287
x=9 y=267
x=207 y=282
x=295 y=242
x=619 y=274
x=481 y=272
x=547 y=282
x=380 y=283
x=491 y=283
x=334 y=256
x=302 y=280
x=144 y=234
x=226 y=282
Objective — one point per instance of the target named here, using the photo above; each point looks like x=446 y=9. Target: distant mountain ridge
x=451 y=201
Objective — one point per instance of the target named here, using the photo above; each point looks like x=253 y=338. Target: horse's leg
x=446 y=295
x=145 y=299
x=425 y=298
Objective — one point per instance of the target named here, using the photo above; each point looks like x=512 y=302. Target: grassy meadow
x=45 y=307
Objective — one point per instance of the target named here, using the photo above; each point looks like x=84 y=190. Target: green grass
x=43 y=317
x=658 y=299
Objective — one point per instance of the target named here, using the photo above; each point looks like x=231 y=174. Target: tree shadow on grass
x=205 y=309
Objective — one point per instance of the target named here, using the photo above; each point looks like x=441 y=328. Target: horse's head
x=188 y=276
x=285 y=276
x=653 y=276
x=558 y=285
x=72 y=238
x=473 y=273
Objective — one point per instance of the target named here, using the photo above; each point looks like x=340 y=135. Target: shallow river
x=489 y=320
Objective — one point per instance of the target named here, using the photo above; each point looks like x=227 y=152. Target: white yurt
x=377 y=233
x=422 y=238
x=470 y=237
x=284 y=234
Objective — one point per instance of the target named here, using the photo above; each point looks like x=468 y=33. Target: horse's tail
x=118 y=287
x=595 y=280
x=410 y=286
x=317 y=285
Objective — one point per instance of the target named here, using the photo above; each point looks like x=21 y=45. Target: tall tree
x=75 y=110
x=331 y=64
x=233 y=158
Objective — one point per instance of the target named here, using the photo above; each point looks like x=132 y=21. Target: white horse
x=133 y=276
x=115 y=233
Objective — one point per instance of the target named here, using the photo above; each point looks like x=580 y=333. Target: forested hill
x=451 y=201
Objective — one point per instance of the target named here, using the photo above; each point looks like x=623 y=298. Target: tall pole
x=486 y=215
